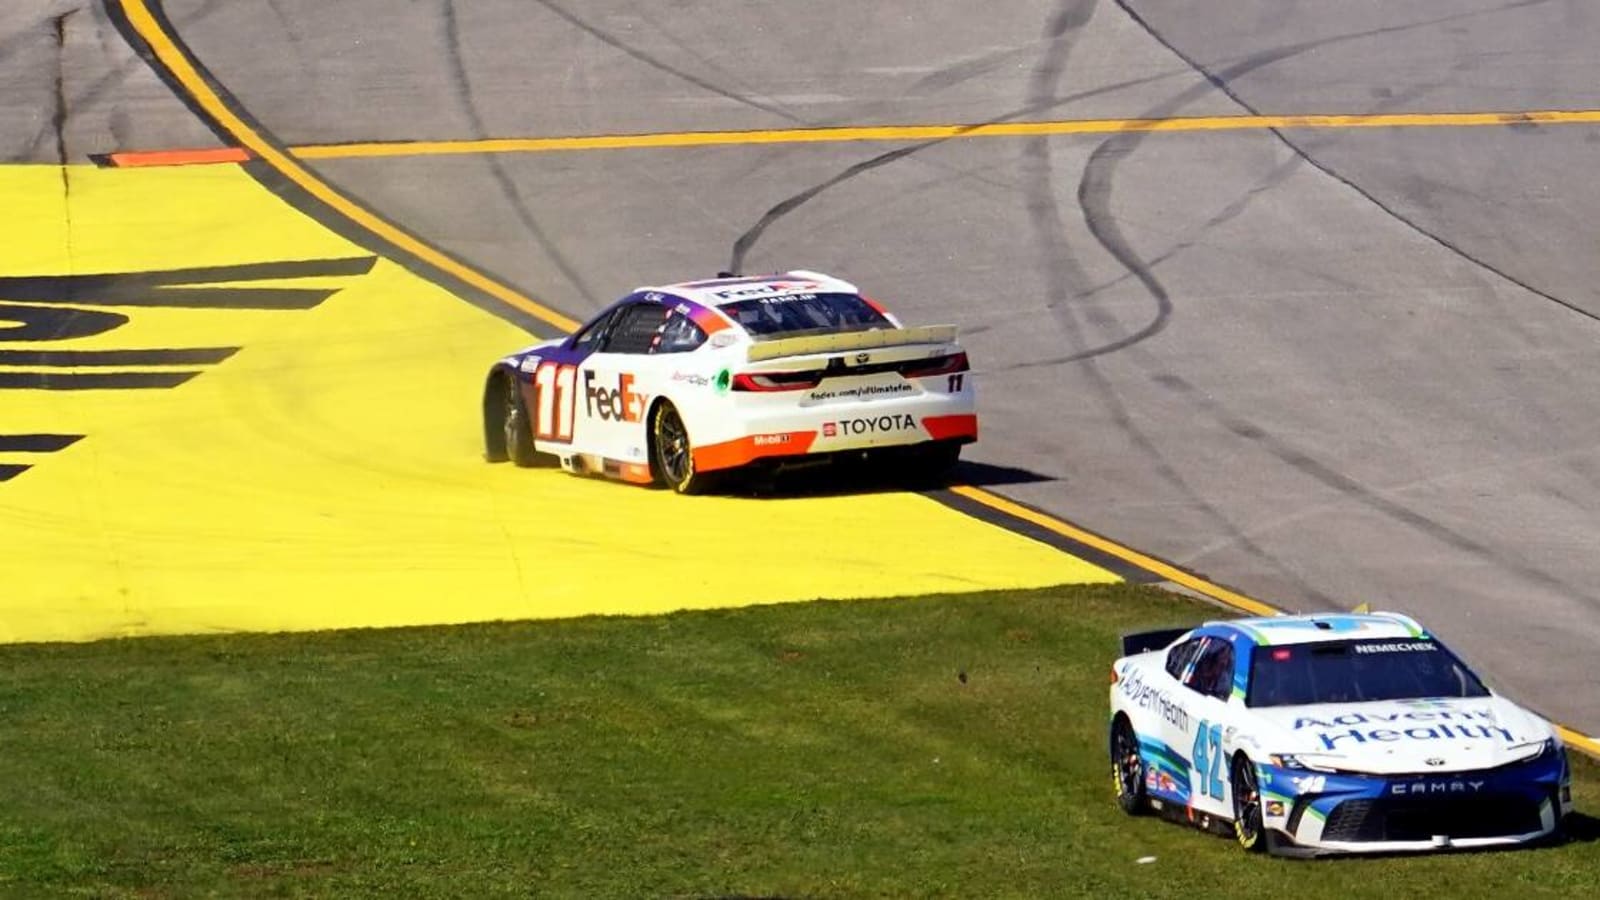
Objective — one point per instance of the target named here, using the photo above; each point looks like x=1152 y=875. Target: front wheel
x=1127 y=768
x=673 y=453
x=1247 y=824
x=516 y=429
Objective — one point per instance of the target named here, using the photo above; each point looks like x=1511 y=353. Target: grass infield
x=944 y=746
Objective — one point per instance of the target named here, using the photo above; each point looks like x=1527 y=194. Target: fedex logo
x=619 y=404
x=766 y=288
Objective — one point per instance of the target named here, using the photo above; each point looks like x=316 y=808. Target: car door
x=612 y=393
x=1172 y=711
x=1207 y=686
x=550 y=385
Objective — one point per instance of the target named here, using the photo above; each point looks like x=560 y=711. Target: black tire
x=516 y=427
x=1248 y=827
x=672 y=454
x=934 y=462
x=1127 y=769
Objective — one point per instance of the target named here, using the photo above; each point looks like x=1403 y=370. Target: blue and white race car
x=1306 y=735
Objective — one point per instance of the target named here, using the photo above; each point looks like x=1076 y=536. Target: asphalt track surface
x=1326 y=366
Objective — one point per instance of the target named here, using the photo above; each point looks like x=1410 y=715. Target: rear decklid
x=854 y=366
x=848 y=341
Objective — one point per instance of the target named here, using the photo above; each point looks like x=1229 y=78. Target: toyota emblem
x=862 y=358
x=1434 y=761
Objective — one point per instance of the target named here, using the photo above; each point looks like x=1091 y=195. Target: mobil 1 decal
x=39 y=314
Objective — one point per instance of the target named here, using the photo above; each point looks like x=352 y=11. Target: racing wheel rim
x=1127 y=768
x=672 y=446
x=1246 y=804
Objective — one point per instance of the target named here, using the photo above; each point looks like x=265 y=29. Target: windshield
x=791 y=315
x=1358 y=672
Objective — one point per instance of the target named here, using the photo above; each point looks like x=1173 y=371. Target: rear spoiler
x=851 y=340
x=1145 y=641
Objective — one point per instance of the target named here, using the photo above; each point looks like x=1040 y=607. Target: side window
x=635 y=331
x=1213 y=670
x=589 y=338
x=1179 y=657
x=679 y=335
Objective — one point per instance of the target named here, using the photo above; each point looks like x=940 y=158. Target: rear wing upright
x=846 y=341
x=1146 y=641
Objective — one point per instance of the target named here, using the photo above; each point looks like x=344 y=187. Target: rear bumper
x=811 y=433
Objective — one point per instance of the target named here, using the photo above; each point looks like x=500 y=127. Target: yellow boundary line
x=182 y=69
x=1133 y=557
x=879 y=133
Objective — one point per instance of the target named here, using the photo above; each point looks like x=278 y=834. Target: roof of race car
x=717 y=291
x=1279 y=630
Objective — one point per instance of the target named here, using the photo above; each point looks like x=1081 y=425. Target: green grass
x=816 y=750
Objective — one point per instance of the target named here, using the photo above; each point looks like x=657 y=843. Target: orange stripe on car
x=739 y=451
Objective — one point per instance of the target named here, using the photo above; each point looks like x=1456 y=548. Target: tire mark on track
x=461 y=82
x=748 y=239
x=1101 y=221
x=1066 y=283
x=1221 y=81
x=1355 y=490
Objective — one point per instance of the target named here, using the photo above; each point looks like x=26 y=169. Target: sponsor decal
x=1275 y=807
x=830 y=430
x=763 y=290
x=1409 y=647
x=530 y=363
x=724 y=378
x=724 y=339
x=863 y=392
x=1453 y=786
x=621 y=403
x=1147 y=697
x=1444 y=725
x=764 y=440
x=873 y=425
x=1310 y=784
x=691 y=378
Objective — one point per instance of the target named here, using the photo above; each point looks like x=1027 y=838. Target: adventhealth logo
x=1443 y=726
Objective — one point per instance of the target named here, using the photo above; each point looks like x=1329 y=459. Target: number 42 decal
x=1208 y=759
x=554 y=401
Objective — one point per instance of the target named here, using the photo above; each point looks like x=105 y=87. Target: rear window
x=1357 y=672
x=793 y=315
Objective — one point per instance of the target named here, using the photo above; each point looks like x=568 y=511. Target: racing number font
x=554 y=401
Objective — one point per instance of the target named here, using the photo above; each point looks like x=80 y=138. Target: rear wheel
x=1127 y=768
x=673 y=454
x=1247 y=824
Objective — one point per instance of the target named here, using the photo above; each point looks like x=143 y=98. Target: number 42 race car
x=682 y=383
x=1306 y=735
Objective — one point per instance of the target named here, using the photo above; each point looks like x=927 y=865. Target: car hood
x=1445 y=735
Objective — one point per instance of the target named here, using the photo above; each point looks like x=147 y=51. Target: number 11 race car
x=1306 y=735
x=680 y=384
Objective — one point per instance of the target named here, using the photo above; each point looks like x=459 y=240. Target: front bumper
x=1325 y=812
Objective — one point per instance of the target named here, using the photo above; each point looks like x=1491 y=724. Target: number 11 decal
x=554 y=401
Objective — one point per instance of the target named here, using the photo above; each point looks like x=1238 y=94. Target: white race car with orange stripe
x=682 y=383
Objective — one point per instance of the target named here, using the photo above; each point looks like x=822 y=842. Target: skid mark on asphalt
x=324 y=471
